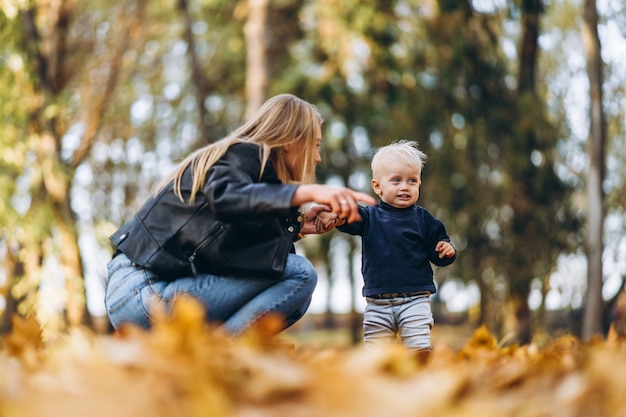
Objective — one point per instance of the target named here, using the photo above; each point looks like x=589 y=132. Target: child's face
x=398 y=185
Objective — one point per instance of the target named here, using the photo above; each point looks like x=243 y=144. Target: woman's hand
x=311 y=217
x=342 y=201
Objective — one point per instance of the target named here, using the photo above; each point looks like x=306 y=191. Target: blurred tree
x=503 y=178
x=197 y=78
x=13 y=105
x=468 y=129
x=109 y=108
x=271 y=29
x=592 y=319
x=491 y=147
x=257 y=63
x=72 y=66
x=538 y=196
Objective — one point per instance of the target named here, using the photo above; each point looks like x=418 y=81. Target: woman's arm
x=342 y=201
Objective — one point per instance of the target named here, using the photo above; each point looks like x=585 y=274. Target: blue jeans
x=409 y=318
x=233 y=302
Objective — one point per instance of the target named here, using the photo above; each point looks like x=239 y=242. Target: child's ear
x=376 y=186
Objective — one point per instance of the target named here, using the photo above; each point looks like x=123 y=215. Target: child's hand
x=326 y=221
x=445 y=249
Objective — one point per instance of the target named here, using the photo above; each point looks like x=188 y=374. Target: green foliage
x=378 y=70
x=14 y=100
x=443 y=79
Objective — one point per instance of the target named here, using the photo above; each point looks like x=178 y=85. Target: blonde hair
x=281 y=120
x=403 y=151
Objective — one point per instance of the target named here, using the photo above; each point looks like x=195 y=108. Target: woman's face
x=294 y=154
x=318 y=144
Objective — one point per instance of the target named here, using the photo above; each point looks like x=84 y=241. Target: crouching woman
x=221 y=226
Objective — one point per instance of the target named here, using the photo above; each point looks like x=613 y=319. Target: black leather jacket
x=239 y=224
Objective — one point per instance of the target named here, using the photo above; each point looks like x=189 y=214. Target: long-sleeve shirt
x=398 y=245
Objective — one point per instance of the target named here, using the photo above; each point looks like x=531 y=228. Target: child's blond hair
x=403 y=151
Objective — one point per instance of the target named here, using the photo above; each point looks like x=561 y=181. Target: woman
x=221 y=226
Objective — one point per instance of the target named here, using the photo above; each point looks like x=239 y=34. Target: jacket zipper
x=202 y=245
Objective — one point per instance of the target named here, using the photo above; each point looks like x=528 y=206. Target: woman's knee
x=303 y=270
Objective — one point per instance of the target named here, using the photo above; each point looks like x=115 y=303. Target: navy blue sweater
x=398 y=245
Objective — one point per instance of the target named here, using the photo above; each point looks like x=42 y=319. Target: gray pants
x=409 y=318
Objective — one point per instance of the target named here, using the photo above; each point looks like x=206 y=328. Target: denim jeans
x=233 y=302
x=409 y=318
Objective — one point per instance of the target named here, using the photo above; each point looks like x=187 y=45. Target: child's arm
x=445 y=249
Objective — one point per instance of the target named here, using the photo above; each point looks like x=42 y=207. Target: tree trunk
x=257 y=76
x=198 y=79
x=16 y=269
x=529 y=46
x=613 y=311
x=592 y=319
x=356 y=321
x=56 y=185
x=524 y=228
x=329 y=315
x=53 y=232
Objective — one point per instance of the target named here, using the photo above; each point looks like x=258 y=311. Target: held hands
x=326 y=221
x=320 y=219
x=310 y=224
x=445 y=249
x=341 y=201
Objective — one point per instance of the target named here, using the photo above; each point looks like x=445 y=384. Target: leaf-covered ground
x=182 y=368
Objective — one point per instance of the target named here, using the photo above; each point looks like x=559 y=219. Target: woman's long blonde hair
x=281 y=120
